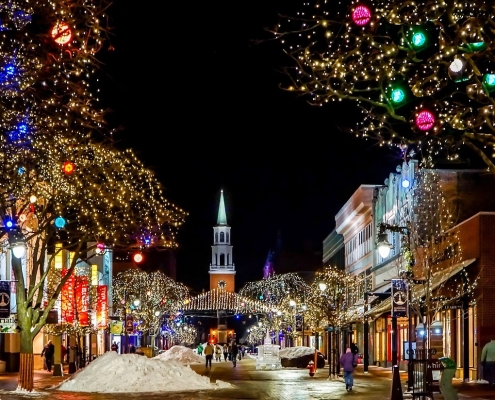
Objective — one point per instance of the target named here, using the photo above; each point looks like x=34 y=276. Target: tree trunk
x=26 y=372
x=26 y=367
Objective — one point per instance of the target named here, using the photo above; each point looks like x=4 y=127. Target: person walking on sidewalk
x=48 y=352
x=233 y=351
x=348 y=362
x=225 y=352
x=488 y=361
x=208 y=350
x=218 y=353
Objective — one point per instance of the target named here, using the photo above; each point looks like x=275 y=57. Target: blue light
x=418 y=39
x=405 y=183
x=60 y=222
x=10 y=70
x=9 y=224
x=21 y=170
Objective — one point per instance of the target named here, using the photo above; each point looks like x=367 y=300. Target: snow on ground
x=133 y=373
x=295 y=352
x=181 y=354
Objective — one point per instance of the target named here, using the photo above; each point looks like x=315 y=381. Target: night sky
x=199 y=101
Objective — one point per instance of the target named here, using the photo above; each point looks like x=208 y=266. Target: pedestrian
x=63 y=351
x=348 y=362
x=132 y=349
x=48 y=352
x=233 y=351
x=115 y=346
x=230 y=351
x=243 y=350
x=208 y=353
x=488 y=361
x=218 y=353
x=200 y=349
x=225 y=351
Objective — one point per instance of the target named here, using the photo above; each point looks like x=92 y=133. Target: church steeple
x=222 y=215
x=222 y=268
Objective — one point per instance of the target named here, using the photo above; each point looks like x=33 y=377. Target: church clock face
x=222 y=284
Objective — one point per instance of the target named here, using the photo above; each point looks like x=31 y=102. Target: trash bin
x=446 y=387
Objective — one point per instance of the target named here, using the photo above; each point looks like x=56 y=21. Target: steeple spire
x=222 y=215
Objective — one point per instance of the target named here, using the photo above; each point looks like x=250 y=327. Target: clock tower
x=222 y=269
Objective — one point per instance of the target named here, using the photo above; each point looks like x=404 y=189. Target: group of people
x=231 y=352
x=48 y=352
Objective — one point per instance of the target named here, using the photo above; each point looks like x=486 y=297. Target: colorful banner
x=4 y=299
x=102 y=307
x=129 y=324
x=82 y=299
x=400 y=304
x=116 y=327
x=68 y=298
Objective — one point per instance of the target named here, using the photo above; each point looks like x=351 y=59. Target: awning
x=419 y=290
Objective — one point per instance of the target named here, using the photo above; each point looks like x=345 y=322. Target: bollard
x=446 y=387
x=396 y=392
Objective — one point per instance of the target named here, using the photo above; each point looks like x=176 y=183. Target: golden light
x=138 y=257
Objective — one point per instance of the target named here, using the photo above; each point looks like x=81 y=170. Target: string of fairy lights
x=436 y=245
x=419 y=72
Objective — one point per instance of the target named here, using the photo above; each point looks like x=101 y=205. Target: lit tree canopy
x=421 y=73
x=332 y=298
x=156 y=293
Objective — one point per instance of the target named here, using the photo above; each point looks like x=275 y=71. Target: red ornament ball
x=361 y=15
x=425 y=120
x=68 y=167
x=61 y=33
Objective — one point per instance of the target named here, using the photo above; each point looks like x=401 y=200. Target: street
x=249 y=383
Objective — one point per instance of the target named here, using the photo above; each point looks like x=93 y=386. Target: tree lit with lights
x=420 y=73
x=64 y=185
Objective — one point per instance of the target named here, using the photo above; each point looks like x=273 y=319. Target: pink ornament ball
x=425 y=120
x=361 y=15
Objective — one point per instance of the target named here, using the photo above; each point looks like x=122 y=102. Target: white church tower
x=222 y=269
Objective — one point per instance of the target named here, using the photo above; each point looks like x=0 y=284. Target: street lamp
x=384 y=248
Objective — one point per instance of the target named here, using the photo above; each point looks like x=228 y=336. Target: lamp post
x=384 y=248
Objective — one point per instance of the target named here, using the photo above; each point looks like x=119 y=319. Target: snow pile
x=181 y=354
x=296 y=352
x=131 y=373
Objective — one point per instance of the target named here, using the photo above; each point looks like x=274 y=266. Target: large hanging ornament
x=425 y=120
x=61 y=33
x=361 y=15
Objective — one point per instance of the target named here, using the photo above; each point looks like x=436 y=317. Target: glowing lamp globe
x=60 y=222
x=361 y=15
x=68 y=167
x=425 y=120
x=9 y=224
x=456 y=66
x=405 y=183
x=138 y=257
x=61 y=33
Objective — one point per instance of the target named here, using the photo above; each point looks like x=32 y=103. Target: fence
x=425 y=374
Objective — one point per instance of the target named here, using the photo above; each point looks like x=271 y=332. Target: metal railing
x=425 y=381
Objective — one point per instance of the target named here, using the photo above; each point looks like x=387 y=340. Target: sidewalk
x=474 y=390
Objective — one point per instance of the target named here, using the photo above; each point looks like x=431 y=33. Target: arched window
x=216 y=237
x=228 y=237
x=222 y=237
x=222 y=259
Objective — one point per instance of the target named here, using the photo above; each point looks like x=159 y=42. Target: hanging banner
x=68 y=298
x=400 y=303
x=299 y=323
x=82 y=299
x=129 y=324
x=5 y=299
x=102 y=307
